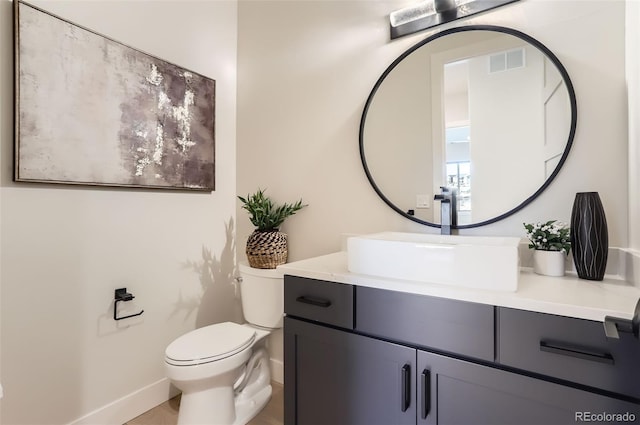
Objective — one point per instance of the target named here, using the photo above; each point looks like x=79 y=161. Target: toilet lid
x=209 y=344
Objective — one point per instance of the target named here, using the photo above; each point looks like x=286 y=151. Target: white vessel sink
x=480 y=262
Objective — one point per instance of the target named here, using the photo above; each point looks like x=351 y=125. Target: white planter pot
x=549 y=263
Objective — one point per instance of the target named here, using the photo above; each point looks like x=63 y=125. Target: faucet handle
x=444 y=189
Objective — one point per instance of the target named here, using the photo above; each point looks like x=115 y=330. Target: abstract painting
x=93 y=111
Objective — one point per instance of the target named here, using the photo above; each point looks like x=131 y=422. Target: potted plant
x=551 y=242
x=267 y=246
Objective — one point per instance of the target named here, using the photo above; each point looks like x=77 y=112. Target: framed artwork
x=92 y=111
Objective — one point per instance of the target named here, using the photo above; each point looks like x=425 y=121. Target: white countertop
x=565 y=296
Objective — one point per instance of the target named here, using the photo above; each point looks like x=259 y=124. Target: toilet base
x=217 y=412
x=229 y=404
x=247 y=409
x=211 y=406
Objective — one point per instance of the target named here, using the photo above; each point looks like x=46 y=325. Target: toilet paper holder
x=122 y=295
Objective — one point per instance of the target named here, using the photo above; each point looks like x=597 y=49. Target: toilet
x=223 y=369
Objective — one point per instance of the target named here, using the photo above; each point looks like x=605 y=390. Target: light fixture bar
x=411 y=13
x=430 y=13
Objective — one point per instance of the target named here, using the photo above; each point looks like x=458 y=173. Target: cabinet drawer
x=318 y=300
x=575 y=350
x=458 y=327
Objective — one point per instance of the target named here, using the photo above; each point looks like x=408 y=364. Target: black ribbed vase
x=589 y=236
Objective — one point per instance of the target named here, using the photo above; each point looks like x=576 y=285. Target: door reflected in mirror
x=489 y=112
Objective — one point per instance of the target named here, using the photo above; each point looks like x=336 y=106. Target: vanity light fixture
x=430 y=13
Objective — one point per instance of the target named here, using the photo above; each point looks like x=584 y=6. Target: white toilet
x=223 y=369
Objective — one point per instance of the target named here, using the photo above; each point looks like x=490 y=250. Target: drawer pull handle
x=318 y=302
x=406 y=387
x=580 y=353
x=425 y=382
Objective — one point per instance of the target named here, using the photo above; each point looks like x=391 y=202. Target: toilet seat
x=209 y=344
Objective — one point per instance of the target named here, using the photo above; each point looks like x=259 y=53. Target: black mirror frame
x=505 y=30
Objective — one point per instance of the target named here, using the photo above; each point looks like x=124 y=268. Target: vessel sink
x=481 y=262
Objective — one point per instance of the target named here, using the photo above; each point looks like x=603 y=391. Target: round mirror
x=486 y=110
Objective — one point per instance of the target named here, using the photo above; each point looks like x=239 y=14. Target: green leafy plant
x=266 y=215
x=550 y=236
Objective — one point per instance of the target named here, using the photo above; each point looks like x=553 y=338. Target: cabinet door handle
x=406 y=387
x=425 y=383
x=318 y=302
x=577 y=352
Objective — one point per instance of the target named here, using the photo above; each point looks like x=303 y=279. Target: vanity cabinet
x=462 y=392
x=387 y=357
x=334 y=377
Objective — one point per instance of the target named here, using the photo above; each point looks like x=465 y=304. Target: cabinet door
x=335 y=377
x=452 y=391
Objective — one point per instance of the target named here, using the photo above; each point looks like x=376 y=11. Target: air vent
x=504 y=61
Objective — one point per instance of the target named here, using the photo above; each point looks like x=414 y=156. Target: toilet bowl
x=223 y=369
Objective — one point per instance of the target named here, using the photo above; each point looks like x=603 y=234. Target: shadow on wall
x=220 y=300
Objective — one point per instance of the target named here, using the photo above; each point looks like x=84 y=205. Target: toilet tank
x=262 y=294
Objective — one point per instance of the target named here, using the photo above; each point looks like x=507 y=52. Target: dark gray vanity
x=364 y=355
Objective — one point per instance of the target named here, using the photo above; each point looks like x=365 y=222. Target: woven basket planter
x=267 y=249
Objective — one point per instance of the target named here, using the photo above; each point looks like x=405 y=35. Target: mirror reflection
x=483 y=111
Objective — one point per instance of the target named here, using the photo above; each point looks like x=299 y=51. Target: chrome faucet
x=448 y=209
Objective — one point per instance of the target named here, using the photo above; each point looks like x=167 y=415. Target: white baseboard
x=138 y=402
x=277 y=371
x=130 y=406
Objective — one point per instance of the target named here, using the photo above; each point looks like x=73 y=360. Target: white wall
x=397 y=143
x=307 y=67
x=633 y=86
x=65 y=249
x=517 y=115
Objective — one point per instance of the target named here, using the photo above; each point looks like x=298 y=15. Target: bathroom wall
x=633 y=85
x=401 y=111
x=65 y=249
x=307 y=67
x=517 y=113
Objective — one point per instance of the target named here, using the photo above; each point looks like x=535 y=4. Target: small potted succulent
x=551 y=242
x=267 y=246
